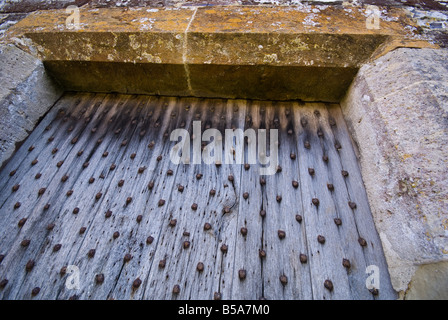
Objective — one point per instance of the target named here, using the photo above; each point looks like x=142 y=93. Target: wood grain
x=104 y=161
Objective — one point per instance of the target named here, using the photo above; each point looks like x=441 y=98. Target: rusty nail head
x=230 y=177
x=57 y=247
x=352 y=205
x=262 y=181
x=99 y=140
x=133 y=155
x=337 y=145
x=217 y=296
x=283 y=280
x=91 y=180
x=151 y=185
x=279 y=169
x=17 y=205
x=307 y=145
x=93 y=130
x=320 y=134
x=328 y=285
x=91 y=253
x=246 y=166
x=63 y=271
x=262 y=213
x=321 y=239
x=137 y=282
x=37 y=176
x=31 y=148
x=330 y=186
x=226 y=209
x=337 y=221
x=162 y=264
x=246 y=195
x=50 y=226
x=278 y=198
x=362 y=242
x=76 y=210
x=295 y=184
x=298 y=218
x=194 y=206
x=281 y=234
x=105 y=154
x=128 y=200
x=161 y=202
x=315 y=201
x=13 y=172
x=124 y=142
x=59 y=164
x=108 y=214
x=35 y=291
x=74 y=140
x=311 y=171
x=186 y=234
x=50 y=139
x=82 y=230
x=243 y=231
x=112 y=167
x=262 y=253
x=207 y=226
x=25 y=243
x=180 y=188
x=141 y=169
x=99 y=278
x=54 y=150
x=169 y=172
x=224 y=248
x=139 y=218
x=292 y=156
x=3 y=283
x=290 y=132
x=176 y=289
x=212 y=192
x=151 y=145
x=159 y=158
x=21 y=222
x=200 y=267
x=116 y=234
x=346 y=263
x=34 y=162
x=149 y=240
x=374 y=291
x=64 y=178
x=85 y=164
x=80 y=152
x=242 y=274
x=127 y=257
x=303 y=258
x=325 y=158
x=120 y=183
x=173 y=223
x=186 y=244
x=29 y=265
x=344 y=173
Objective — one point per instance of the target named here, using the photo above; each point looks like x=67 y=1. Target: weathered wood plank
x=121 y=138
x=363 y=217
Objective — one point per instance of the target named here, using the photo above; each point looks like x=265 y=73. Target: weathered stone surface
x=398 y=113
x=26 y=93
x=430 y=282
x=229 y=52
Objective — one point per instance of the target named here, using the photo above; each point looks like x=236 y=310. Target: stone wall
x=26 y=94
x=397 y=111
